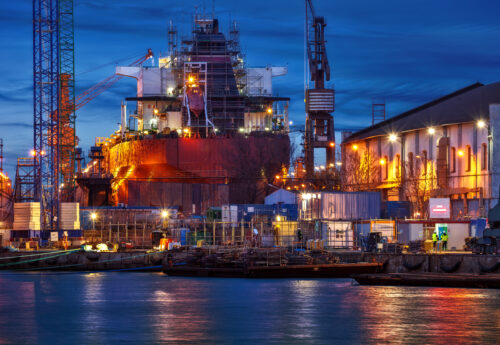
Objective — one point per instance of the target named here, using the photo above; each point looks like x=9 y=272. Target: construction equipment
x=320 y=101
x=94 y=91
x=55 y=105
x=489 y=243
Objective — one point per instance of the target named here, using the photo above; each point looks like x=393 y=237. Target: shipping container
x=285 y=233
x=338 y=234
x=250 y=212
x=396 y=209
x=477 y=227
x=340 y=205
x=409 y=232
x=414 y=230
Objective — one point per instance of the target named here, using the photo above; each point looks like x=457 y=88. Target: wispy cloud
x=406 y=52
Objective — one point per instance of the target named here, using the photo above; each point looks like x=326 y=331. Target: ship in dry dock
x=207 y=130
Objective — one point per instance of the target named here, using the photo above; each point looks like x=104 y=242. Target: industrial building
x=446 y=148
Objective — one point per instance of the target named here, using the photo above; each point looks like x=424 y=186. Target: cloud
x=406 y=52
x=16 y=125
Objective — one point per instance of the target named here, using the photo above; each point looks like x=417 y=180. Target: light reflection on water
x=137 y=308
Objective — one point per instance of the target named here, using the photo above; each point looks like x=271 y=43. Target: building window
x=397 y=166
x=453 y=160
x=484 y=157
x=410 y=164
x=385 y=168
x=424 y=161
x=468 y=152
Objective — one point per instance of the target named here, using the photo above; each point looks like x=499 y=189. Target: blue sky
x=407 y=52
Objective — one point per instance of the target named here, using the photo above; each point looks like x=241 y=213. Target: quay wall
x=83 y=261
x=437 y=263
x=392 y=263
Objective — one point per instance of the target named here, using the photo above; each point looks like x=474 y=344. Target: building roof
x=281 y=196
x=465 y=105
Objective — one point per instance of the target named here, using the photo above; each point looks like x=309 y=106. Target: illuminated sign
x=439 y=208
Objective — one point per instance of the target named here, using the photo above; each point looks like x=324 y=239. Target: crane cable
x=25 y=256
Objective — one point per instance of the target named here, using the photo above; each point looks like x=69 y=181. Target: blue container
x=248 y=211
x=184 y=236
x=288 y=211
x=477 y=227
x=396 y=209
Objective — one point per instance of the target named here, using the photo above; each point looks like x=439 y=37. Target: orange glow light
x=332 y=144
x=382 y=162
x=460 y=153
x=33 y=153
x=269 y=110
x=355 y=147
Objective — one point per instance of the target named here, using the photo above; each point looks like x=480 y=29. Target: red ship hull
x=202 y=172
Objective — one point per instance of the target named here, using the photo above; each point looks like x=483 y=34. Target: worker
x=434 y=240
x=300 y=237
x=444 y=240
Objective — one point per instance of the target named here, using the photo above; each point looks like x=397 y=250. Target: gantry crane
x=54 y=105
x=320 y=101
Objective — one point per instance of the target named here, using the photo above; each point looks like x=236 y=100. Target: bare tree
x=359 y=172
x=418 y=184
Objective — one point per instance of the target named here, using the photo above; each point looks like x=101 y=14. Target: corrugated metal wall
x=356 y=205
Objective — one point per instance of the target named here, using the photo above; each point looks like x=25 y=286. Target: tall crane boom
x=316 y=48
x=45 y=104
x=320 y=101
x=94 y=91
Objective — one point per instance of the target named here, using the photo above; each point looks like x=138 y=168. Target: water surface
x=150 y=308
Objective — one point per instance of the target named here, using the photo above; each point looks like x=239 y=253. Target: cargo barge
x=291 y=271
x=480 y=281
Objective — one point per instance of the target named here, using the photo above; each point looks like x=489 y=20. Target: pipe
x=123 y=118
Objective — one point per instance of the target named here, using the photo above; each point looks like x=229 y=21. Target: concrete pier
x=82 y=261
x=392 y=263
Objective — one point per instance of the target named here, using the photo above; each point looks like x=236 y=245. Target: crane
x=320 y=101
x=67 y=130
x=54 y=105
x=316 y=48
x=94 y=91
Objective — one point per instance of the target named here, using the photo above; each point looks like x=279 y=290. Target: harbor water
x=140 y=308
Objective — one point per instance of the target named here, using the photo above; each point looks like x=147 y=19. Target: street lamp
x=481 y=124
x=393 y=137
x=93 y=216
x=431 y=130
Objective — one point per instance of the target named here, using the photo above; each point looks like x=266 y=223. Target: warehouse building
x=447 y=148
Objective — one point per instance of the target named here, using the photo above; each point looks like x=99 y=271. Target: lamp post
x=93 y=216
